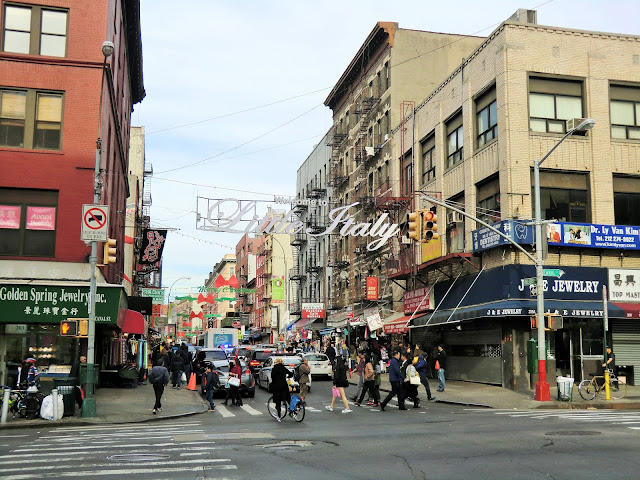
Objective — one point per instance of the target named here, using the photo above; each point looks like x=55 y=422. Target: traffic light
x=69 y=328
x=83 y=327
x=429 y=226
x=414 y=225
x=109 y=251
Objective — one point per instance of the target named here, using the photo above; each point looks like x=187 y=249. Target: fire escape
x=296 y=273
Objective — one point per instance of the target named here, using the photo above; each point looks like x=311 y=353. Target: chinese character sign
x=152 y=245
x=10 y=216
x=372 y=288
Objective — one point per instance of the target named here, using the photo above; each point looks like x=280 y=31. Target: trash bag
x=46 y=411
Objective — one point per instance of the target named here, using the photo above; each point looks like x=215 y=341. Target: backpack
x=296 y=374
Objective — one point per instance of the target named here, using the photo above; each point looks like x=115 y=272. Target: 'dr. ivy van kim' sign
x=341 y=222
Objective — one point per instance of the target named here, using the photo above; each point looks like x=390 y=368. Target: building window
x=28 y=222
x=455 y=230
x=428 y=147
x=488 y=200
x=387 y=74
x=626 y=200
x=454 y=141
x=564 y=196
x=487 y=117
x=30 y=119
x=35 y=30
x=625 y=112
x=552 y=103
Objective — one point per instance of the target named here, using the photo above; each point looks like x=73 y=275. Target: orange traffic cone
x=192 y=382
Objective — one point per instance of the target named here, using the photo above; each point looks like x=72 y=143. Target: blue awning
x=518 y=308
x=327 y=331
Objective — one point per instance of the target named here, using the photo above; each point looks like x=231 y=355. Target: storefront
x=31 y=316
x=484 y=322
x=624 y=292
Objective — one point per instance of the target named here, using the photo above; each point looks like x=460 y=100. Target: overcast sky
x=211 y=66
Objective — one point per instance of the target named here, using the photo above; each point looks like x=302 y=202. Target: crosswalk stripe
x=137 y=471
x=250 y=410
x=41 y=468
x=225 y=412
x=7 y=459
x=124 y=427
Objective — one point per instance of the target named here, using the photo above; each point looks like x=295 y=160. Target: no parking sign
x=95 y=223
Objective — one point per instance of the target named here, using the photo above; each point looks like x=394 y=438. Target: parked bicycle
x=295 y=409
x=589 y=389
x=24 y=403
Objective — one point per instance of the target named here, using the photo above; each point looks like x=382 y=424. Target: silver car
x=292 y=362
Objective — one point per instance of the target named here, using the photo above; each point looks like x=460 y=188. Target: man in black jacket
x=331 y=353
x=211 y=380
x=441 y=358
x=177 y=367
x=159 y=378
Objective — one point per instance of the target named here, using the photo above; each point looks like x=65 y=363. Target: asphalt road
x=437 y=441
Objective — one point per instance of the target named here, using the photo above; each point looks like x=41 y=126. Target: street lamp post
x=542 y=386
x=89 y=403
x=286 y=278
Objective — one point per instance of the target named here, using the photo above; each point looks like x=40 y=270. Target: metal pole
x=605 y=318
x=5 y=405
x=542 y=386
x=54 y=399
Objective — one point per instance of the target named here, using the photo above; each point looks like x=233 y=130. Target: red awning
x=631 y=310
x=134 y=322
x=399 y=325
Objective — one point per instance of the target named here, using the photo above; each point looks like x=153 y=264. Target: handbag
x=234 y=381
x=335 y=391
x=414 y=380
x=437 y=365
x=183 y=377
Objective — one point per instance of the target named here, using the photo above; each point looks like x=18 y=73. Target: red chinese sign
x=372 y=288
x=9 y=217
x=313 y=310
x=413 y=299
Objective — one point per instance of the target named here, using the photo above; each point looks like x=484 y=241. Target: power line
x=238 y=112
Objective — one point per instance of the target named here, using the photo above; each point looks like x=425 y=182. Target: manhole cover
x=137 y=457
x=287 y=445
x=567 y=433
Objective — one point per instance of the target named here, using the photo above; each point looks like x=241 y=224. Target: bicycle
x=588 y=389
x=295 y=409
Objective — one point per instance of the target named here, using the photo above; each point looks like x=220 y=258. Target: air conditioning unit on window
x=386 y=137
x=370 y=151
x=573 y=123
x=454 y=217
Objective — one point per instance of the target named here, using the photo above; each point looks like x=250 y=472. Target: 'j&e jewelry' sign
x=230 y=215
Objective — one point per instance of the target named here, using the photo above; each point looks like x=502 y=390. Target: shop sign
x=595 y=236
x=372 y=288
x=485 y=238
x=624 y=285
x=356 y=322
x=10 y=216
x=16 y=329
x=156 y=294
x=374 y=321
x=574 y=283
x=41 y=218
x=430 y=250
x=413 y=298
x=313 y=310
x=50 y=304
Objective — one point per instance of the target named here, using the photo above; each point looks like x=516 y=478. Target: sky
x=235 y=94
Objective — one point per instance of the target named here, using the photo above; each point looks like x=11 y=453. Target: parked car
x=319 y=364
x=216 y=356
x=247 y=384
x=290 y=361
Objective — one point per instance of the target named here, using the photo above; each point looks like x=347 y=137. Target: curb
x=82 y=423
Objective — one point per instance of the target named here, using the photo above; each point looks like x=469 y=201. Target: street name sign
x=95 y=223
x=529 y=281
x=553 y=272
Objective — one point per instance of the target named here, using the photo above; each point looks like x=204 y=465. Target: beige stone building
x=393 y=66
x=472 y=142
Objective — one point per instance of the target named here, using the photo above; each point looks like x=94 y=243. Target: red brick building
x=51 y=78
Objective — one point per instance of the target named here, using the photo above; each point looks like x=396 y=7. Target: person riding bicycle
x=33 y=375
x=279 y=386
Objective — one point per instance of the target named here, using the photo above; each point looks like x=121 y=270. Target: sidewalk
x=491 y=396
x=126 y=405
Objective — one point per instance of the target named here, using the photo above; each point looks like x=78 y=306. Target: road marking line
x=225 y=412
x=81 y=454
x=250 y=410
x=117 y=464
x=127 y=427
x=146 y=471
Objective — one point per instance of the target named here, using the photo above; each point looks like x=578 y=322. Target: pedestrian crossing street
x=629 y=419
x=318 y=406
x=132 y=451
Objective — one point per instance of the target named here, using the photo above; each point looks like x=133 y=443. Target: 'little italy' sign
x=340 y=222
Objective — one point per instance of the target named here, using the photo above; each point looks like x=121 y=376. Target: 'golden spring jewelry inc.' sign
x=230 y=215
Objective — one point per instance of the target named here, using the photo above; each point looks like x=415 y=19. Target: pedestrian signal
x=109 y=251
x=69 y=328
x=429 y=226
x=414 y=225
